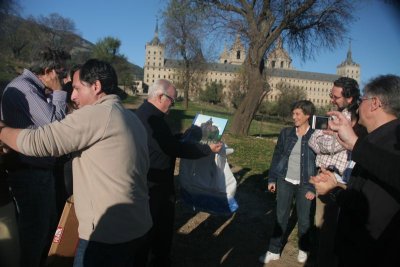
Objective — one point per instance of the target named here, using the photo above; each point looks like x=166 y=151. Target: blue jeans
x=286 y=193
x=34 y=193
x=92 y=253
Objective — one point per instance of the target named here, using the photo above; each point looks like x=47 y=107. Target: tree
x=183 y=33
x=106 y=49
x=288 y=95
x=305 y=25
x=55 y=30
x=212 y=93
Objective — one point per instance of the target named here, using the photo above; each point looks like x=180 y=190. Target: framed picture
x=211 y=127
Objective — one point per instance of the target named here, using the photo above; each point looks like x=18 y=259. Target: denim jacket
x=279 y=165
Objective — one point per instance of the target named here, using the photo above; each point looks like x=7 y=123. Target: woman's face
x=299 y=118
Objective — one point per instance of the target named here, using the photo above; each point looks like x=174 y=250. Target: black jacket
x=164 y=147
x=368 y=229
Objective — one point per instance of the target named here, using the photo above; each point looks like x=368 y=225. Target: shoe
x=302 y=257
x=269 y=256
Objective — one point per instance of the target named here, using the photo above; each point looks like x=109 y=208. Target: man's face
x=168 y=99
x=365 y=110
x=82 y=93
x=338 y=99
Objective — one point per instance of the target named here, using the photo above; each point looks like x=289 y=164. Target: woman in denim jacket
x=292 y=165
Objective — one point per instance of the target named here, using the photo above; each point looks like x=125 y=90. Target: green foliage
x=289 y=95
x=323 y=110
x=268 y=108
x=212 y=93
x=106 y=49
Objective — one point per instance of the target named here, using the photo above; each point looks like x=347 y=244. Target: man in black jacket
x=368 y=231
x=164 y=148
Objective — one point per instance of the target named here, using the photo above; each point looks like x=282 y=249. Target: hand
x=216 y=147
x=272 y=187
x=342 y=129
x=310 y=195
x=324 y=181
x=51 y=80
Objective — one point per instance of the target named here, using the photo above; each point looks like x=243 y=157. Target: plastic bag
x=208 y=184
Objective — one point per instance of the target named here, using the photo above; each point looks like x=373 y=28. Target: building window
x=273 y=64
x=282 y=64
x=238 y=54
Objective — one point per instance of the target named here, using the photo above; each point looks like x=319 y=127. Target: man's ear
x=375 y=103
x=97 y=87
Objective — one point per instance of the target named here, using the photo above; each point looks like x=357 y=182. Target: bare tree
x=305 y=25
x=183 y=33
x=55 y=29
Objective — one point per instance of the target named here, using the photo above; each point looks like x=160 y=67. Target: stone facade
x=279 y=71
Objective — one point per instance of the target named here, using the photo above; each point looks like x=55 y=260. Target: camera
x=319 y=122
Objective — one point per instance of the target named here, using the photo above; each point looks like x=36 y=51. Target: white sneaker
x=269 y=256
x=302 y=257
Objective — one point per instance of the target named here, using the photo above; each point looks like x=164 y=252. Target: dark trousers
x=157 y=252
x=34 y=192
x=286 y=193
x=97 y=254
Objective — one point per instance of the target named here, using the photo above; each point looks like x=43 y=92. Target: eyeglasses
x=334 y=97
x=365 y=98
x=170 y=99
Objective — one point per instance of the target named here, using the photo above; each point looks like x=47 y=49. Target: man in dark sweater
x=164 y=148
x=368 y=226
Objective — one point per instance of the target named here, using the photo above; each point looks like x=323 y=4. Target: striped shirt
x=25 y=105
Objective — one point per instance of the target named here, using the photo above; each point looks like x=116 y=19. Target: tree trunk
x=256 y=91
x=186 y=84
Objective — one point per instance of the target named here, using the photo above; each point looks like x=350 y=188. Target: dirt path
x=203 y=240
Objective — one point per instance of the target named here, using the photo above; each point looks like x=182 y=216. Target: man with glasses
x=25 y=105
x=369 y=218
x=331 y=154
x=164 y=148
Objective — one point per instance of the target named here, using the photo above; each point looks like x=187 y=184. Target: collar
x=152 y=109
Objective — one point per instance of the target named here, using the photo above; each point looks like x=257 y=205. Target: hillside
x=21 y=39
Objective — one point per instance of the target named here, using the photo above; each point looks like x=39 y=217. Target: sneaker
x=302 y=257
x=269 y=256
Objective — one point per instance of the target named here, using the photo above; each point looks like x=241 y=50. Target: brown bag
x=65 y=241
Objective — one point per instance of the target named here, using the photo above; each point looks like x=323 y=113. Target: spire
x=349 y=59
x=155 y=40
x=279 y=44
x=156 y=31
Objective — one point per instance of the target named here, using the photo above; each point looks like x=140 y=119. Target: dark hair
x=50 y=59
x=350 y=88
x=102 y=71
x=73 y=69
x=306 y=106
x=387 y=89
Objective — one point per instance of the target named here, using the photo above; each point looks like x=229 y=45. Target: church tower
x=349 y=68
x=279 y=58
x=237 y=53
x=154 y=60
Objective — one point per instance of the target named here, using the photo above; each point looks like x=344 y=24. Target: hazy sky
x=375 y=35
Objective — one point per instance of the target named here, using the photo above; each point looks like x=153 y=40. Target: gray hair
x=159 y=86
x=387 y=89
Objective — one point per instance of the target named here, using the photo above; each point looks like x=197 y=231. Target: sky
x=375 y=35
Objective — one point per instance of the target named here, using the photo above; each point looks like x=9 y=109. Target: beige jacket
x=109 y=168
